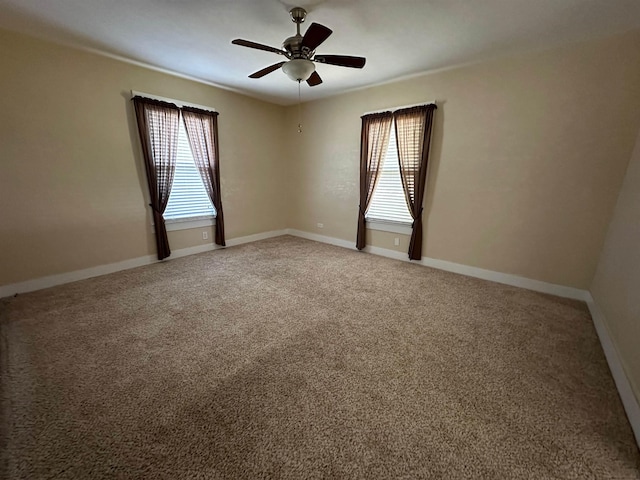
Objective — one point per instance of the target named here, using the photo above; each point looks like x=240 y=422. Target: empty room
x=320 y=239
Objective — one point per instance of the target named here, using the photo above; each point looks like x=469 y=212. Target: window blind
x=388 y=202
x=188 y=196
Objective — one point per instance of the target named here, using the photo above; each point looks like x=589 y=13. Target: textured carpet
x=292 y=359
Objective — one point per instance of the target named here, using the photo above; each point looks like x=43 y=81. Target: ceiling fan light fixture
x=299 y=69
x=300 y=52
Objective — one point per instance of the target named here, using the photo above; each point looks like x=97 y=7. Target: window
x=388 y=203
x=188 y=199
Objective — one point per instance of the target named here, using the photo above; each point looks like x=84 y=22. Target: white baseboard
x=629 y=400
x=68 y=277
x=508 y=279
x=183 y=252
x=338 y=242
x=505 y=278
x=254 y=238
x=385 y=252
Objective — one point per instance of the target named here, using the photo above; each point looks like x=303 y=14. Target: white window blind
x=188 y=198
x=388 y=202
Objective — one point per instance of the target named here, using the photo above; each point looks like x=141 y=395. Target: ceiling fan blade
x=341 y=60
x=314 y=79
x=265 y=71
x=315 y=35
x=259 y=46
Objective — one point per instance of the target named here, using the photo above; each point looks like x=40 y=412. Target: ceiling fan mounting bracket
x=298 y=15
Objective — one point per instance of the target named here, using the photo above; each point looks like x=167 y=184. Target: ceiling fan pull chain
x=299 y=110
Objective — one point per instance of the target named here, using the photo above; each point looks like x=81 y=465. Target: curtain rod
x=430 y=102
x=179 y=103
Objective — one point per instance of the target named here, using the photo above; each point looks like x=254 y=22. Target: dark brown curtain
x=202 y=130
x=158 y=124
x=374 y=140
x=413 y=134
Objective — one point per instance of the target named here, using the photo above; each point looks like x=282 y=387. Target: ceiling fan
x=301 y=52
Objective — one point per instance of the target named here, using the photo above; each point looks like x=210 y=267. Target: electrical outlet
x=321 y=225
x=396 y=241
x=205 y=235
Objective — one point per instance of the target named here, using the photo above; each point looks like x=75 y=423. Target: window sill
x=388 y=226
x=188 y=222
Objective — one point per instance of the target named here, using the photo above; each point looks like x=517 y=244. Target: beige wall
x=528 y=157
x=73 y=191
x=616 y=286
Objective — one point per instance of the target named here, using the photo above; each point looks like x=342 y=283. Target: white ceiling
x=398 y=37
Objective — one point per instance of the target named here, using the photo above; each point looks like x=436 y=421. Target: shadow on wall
x=435 y=157
x=140 y=169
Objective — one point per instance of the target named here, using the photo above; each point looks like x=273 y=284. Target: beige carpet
x=292 y=359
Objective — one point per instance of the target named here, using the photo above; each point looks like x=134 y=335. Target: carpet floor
x=292 y=359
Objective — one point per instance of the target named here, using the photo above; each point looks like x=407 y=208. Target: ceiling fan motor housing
x=293 y=46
